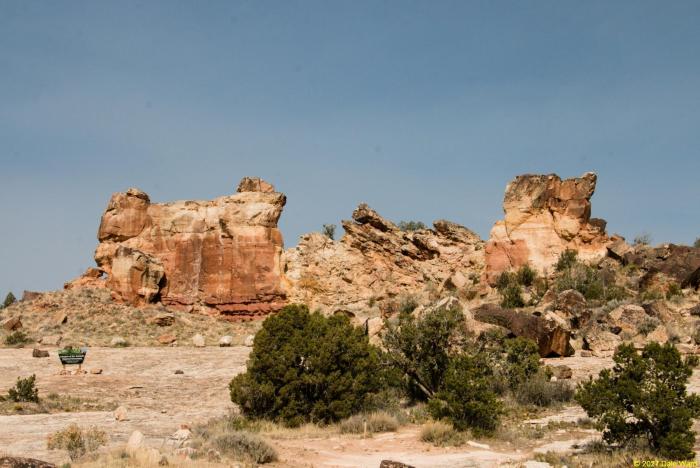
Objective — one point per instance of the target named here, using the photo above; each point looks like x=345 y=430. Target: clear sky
x=424 y=110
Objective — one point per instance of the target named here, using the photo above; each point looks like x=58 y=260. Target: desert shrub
x=411 y=225
x=508 y=285
x=329 y=231
x=408 y=303
x=512 y=297
x=674 y=290
x=379 y=421
x=651 y=295
x=24 y=390
x=642 y=239
x=243 y=445
x=696 y=244
x=644 y=397
x=647 y=326
x=9 y=300
x=526 y=275
x=420 y=348
x=540 y=391
x=587 y=280
x=16 y=338
x=77 y=441
x=465 y=397
x=522 y=360
x=566 y=260
x=307 y=367
x=440 y=433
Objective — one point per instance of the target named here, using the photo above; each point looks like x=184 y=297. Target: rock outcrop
x=545 y=215
x=551 y=337
x=667 y=262
x=218 y=256
x=375 y=262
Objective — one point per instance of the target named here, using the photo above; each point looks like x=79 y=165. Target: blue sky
x=424 y=110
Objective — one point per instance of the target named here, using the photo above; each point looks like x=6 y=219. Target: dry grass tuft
x=77 y=441
x=441 y=434
x=379 y=421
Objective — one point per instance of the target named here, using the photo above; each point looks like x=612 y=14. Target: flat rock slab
x=142 y=379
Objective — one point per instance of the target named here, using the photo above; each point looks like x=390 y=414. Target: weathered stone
x=120 y=414
x=162 y=320
x=249 y=340
x=40 y=353
x=551 y=338
x=92 y=278
x=96 y=371
x=220 y=255
x=545 y=215
x=226 y=341
x=12 y=323
x=198 y=341
x=167 y=339
x=659 y=335
x=50 y=340
x=7 y=461
x=117 y=341
x=31 y=295
x=694 y=311
x=600 y=341
x=135 y=441
x=679 y=262
x=393 y=464
x=628 y=318
x=179 y=372
x=375 y=263
x=60 y=318
x=561 y=372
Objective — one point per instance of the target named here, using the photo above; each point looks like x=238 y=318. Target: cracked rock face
x=216 y=256
x=375 y=261
x=545 y=215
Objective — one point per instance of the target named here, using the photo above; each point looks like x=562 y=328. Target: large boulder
x=218 y=256
x=601 y=341
x=628 y=318
x=552 y=339
x=545 y=215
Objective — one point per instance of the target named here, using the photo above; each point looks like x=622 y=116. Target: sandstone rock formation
x=667 y=262
x=552 y=339
x=545 y=215
x=375 y=262
x=218 y=256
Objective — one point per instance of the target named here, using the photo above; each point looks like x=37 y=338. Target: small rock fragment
x=120 y=414
x=39 y=353
x=226 y=341
x=198 y=340
x=135 y=441
x=117 y=341
x=167 y=339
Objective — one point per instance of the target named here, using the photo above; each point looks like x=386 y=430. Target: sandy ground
x=158 y=401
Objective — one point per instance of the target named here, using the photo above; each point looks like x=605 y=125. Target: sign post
x=72 y=356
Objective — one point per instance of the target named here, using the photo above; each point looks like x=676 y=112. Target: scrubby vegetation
x=77 y=441
x=305 y=367
x=379 y=421
x=642 y=239
x=511 y=286
x=441 y=434
x=644 y=398
x=24 y=390
x=411 y=225
x=245 y=446
x=584 y=278
x=328 y=230
x=696 y=244
x=17 y=338
x=9 y=300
